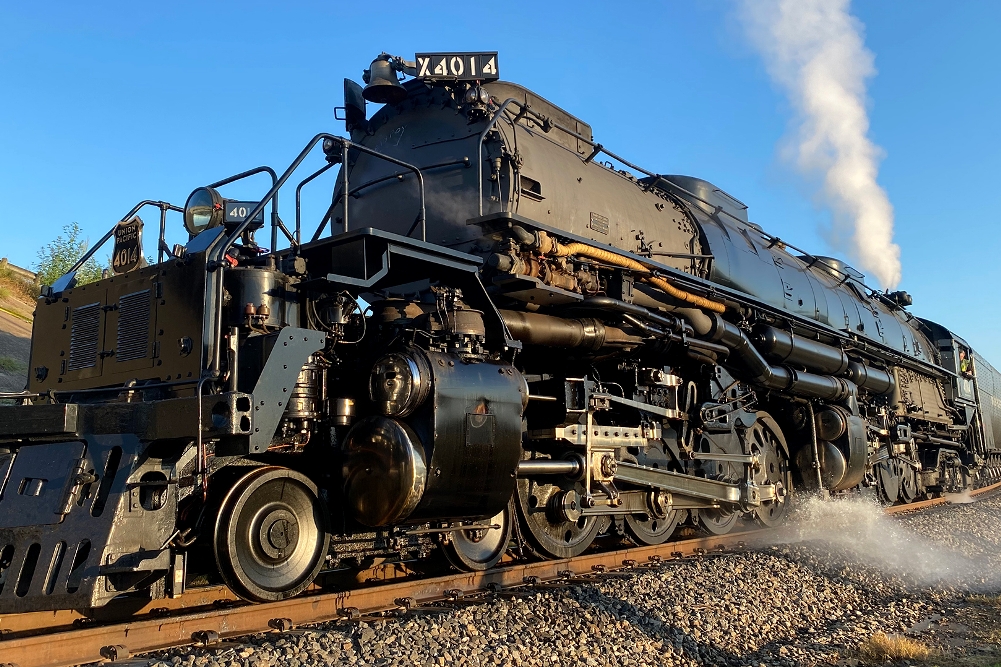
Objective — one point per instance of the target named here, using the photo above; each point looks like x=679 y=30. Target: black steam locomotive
x=492 y=339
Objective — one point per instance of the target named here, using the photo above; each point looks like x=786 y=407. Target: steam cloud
x=815 y=50
x=861 y=531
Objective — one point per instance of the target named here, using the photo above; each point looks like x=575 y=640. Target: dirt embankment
x=16 y=310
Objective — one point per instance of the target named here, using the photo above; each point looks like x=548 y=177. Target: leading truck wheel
x=270 y=536
x=477 y=549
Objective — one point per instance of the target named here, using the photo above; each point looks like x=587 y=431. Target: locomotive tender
x=491 y=340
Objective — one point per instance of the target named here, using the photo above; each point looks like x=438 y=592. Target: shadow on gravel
x=693 y=643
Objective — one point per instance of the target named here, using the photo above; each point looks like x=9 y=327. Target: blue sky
x=104 y=105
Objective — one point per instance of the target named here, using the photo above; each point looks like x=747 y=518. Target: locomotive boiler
x=499 y=337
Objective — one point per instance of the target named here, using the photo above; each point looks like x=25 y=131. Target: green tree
x=59 y=256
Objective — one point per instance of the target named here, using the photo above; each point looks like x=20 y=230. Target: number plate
x=128 y=245
x=457 y=66
x=237 y=211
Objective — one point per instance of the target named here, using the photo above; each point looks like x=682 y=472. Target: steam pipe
x=479 y=149
x=780 y=378
x=608 y=303
x=791 y=349
x=548 y=245
x=587 y=333
x=875 y=380
x=814 y=446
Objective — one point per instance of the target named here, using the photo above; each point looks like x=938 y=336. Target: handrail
x=275 y=221
x=276 y=185
x=161 y=246
x=421 y=217
x=162 y=205
x=218 y=265
x=395 y=176
x=298 y=192
x=479 y=147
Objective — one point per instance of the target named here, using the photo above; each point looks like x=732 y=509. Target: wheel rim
x=548 y=532
x=765 y=441
x=716 y=521
x=270 y=536
x=889 y=481
x=480 y=548
x=908 y=484
x=651 y=530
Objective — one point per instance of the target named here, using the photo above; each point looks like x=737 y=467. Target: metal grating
x=83 y=336
x=133 y=326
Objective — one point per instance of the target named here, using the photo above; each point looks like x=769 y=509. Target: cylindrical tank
x=260 y=297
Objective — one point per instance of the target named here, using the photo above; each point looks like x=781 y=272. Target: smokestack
x=814 y=49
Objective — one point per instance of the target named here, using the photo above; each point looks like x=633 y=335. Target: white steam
x=861 y=530
x=815 y=50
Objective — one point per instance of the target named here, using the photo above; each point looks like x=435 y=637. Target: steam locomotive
x=491 y=340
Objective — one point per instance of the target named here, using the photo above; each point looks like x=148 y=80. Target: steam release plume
x=814 y=49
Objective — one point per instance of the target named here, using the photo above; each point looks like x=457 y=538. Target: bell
x=383 y=86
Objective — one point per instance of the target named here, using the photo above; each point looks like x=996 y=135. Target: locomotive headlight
x=333 y=149
x=203 y=210
x=399 y=383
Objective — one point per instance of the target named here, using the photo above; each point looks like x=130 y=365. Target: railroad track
x=209 y=615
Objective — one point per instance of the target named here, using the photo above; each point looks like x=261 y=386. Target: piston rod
x=569 y=467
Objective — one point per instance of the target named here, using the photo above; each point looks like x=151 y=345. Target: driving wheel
x=764 y=440
x=550 y=513
x=270 y=536
x=658 y=524
x=715 y=521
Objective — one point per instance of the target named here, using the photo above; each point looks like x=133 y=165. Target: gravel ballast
x=847 y=572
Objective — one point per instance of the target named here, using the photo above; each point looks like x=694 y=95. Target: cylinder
x=799 y=351
x=263 y=290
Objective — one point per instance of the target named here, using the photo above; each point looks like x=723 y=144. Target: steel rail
x=935 y=502
x=82 y=645
x=196 y=615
